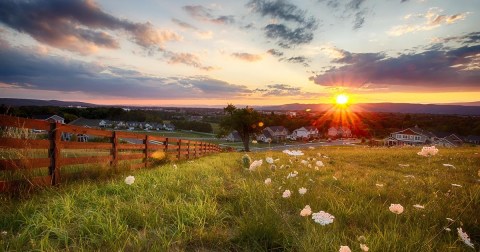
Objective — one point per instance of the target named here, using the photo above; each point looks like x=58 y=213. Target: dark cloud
x=275 y=52
x=204 y=14
x=352 y=8
x=279 y=90
x=468 y=39
x=184 y=24
x=299 y=59
x=21 y=68
x=247 y=56
x=301 y=33
x=444 y=68
x=76 y=25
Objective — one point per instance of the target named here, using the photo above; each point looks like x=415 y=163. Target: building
x=339 y=132
x=234 y=137
x=417 y=136
x=307 y=132
x=273 y=133
x=50 y=118
x=168 y=126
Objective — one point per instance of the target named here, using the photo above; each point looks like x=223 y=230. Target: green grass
x=213 y=203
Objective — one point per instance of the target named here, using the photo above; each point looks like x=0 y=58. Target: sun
x=341 y=99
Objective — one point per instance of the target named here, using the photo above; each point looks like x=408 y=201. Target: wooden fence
x=120 y=145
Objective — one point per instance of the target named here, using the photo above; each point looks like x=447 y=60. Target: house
x=234 y=137
x=410 y=136
x=169 y=126
x=105 y=124
x=339 y=132
x=50 y=118
x=447 y=140
x=88 y=123
x=273 y=133
x=473 y=139
x=307 y=132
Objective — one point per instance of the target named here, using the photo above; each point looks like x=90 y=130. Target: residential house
x=168 y=126
x=307 y=132
x=234 y=137
x=339 y=132
x=447 y=139
x=50 y=118
x=273 y=133
x=410 y=136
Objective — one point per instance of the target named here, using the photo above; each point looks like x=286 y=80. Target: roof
x=94 y=123
x=267 y=134
x=418 y=130
x=45 y=117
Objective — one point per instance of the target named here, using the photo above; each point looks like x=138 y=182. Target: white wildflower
x=254 y=141
x=319 y=163
x=302 y=190
x=304 y=162
x=323 y=218
x=4 y=233
x=286 y=194
x=292 y=174
x=268 y=181
x=293 y=153
x=447 y=229
x=175 y=166
x=364 y=247
x=255 y=164
x=403 y=165
x=456 y=185
x=419 y=206
x=464 y=237
x=129 y=180
x=269 y=160
x=450 y=219
x=428 y=151
x=344 y=249
x=396 y=208
x=379 y=185
x=449 y=165
x=306 y=211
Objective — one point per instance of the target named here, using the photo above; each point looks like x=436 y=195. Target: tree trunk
x=246 y=142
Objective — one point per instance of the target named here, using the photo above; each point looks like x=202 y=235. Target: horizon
x=256 y=52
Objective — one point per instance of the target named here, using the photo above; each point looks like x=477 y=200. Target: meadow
x=217 y=203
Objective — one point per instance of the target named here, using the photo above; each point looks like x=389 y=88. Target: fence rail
x=120 y=145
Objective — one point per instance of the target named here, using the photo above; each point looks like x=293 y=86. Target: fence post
x=188 y=150
x=179 y=148
x=54 y=152
x=115 y=149
x=147 y=139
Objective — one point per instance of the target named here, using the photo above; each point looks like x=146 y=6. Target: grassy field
x=214 y=203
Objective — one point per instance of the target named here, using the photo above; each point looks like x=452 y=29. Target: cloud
x=200 y=34
x=431 y=19
x=184 y=24
x=468 y=39
x=186 y=59
x=77 y=25
x=352 y=8
x=287 y=37
x=279 y=90
x=446 y=68
x=299 y=59
x=247 y=56
x=204 y=14
x=275 y=53
x=21 y=68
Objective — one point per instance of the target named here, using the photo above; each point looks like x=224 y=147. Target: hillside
x=213 y=203
x=32 y=102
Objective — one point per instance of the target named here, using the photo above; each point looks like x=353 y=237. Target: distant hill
x=387 y=107
x=31 y=102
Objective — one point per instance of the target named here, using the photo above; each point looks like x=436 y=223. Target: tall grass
x=214 y=203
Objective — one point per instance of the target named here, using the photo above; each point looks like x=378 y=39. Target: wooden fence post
x=179 y=148
x=54 y=136
x=166 y=146
x=115 y=149
x=147 y=139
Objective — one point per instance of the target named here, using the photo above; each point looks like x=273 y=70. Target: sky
x=254 y=52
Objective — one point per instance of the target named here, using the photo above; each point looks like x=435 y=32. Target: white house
x=339 y=132
x=306 y=132
x=274 y=133
x=50 y=118
x=410 y=136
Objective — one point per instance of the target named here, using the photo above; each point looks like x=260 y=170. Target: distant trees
x=193 y=125
x=245 y=120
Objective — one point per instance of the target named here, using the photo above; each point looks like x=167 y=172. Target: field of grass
x=214 y=203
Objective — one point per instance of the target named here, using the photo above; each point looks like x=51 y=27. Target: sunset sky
x=258 y=52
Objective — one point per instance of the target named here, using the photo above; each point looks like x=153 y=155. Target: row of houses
x=280 y=134
x=418 y=136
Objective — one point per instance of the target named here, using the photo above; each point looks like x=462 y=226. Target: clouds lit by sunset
x=256 y=52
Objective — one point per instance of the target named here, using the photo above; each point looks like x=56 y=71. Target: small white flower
x=403 y=165
x=344 y=249
x=428 y=151
x=255 y=164
x=449 y=165
x=396 y=208
x=450 y=219
x=379 y=185
x=4 y=233
x=457 y=185
x=129 y=180
x=175 y=166
x=306 y=211
x=292 y=174
x=323 y=218
x=286 y=194
x=268 y=181
x=419 y=206
x=464 y=237
x=319 y=163
x=254 y=141
x=269 y=160
x=364 y=247
x=302 y=190
x=447 y=229
x=293 y=153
